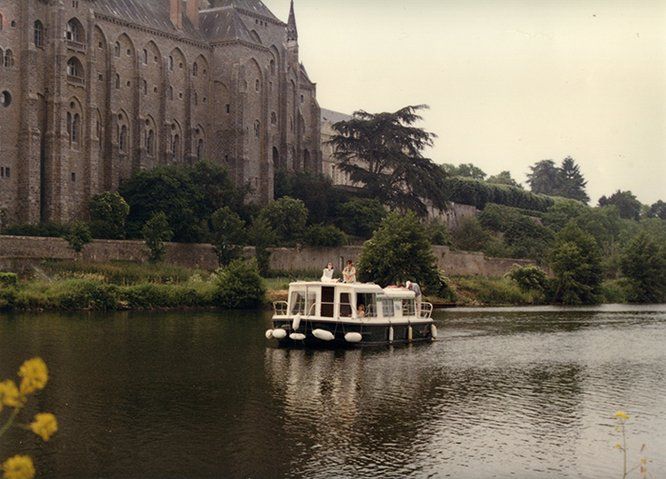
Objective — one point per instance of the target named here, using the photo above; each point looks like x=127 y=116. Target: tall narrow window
x=39 y=34
x=69 y=127
x=171 y=63
x=9 y=59
x=145 y=57
x=116 y=49
x=200 y=149
x=75 y=68
x=123 y=139
x=2 y=57
x=76 y=127
x=175 y=147
x=150 y=142
x=195 y=69
x=117 y=81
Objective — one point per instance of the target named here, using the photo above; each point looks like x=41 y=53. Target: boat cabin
x=348 y=300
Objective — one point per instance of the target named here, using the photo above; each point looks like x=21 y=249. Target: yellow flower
x=9 y=395
x=45 y=425
x=621 y=415
x=18 y=467
x=35 y=375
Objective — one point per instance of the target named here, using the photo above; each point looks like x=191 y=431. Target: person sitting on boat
x=419 y=296
x=327 y=274
x=349 y=273
x=360 y=312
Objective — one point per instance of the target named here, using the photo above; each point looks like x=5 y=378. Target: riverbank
x=77 y=285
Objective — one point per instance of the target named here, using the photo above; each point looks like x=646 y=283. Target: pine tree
x=544 y=178
x=571 y=183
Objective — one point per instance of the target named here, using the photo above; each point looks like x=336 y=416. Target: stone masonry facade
x=92 y=91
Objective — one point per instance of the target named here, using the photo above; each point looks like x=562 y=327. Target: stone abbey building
x=92 y=91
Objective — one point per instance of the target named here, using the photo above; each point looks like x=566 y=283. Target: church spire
x=292 y=31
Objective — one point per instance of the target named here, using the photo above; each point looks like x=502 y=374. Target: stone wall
x=18 y=252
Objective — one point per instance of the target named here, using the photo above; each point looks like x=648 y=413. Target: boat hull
x=371 y=334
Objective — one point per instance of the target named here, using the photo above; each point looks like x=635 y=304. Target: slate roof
x=333 y=117
x=224 y=24
x=254 y=6
x=150 y=13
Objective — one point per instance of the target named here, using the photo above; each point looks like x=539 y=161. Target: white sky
x=509 y=83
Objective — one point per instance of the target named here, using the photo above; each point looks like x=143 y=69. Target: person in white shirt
x=419 y=296
x=327 y=274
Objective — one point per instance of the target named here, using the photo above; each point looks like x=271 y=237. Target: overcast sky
x=508 y=82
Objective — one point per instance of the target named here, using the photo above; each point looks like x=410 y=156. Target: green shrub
x=438 y=232
x=155 y=232
x=78 y=236
x=478 y=193
x=327 y=236
x=83 y=294
x=616 y=291
x=229 y=236
x=119 y=272
x=317 y=192
x=287 y=217
x=494 y=292
x=7 y=299
x=528 y=278
x=108 y=216
x=470 y=236
x=8 y=280
x=239 y=286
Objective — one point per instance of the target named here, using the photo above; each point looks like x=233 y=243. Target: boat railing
x=280 y=308
x=426 y=310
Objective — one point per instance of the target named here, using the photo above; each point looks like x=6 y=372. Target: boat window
x=369 y=302
x=311 y=302
x=345 y=305
x=408 y=307
x=388 y=309
x=297 y=302
x=327 y=301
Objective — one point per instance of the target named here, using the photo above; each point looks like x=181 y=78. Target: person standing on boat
x=327 y=275
x=349 y=273
x=419 y=296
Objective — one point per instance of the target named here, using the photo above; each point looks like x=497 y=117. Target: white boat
x=319 y=313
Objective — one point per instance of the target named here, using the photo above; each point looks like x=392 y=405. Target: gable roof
x=256 y=7
x=224 y=24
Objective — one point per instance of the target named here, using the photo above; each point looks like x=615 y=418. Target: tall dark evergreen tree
x=657 y=210
x=571 y=183
x=384 y=152
x=544 y=178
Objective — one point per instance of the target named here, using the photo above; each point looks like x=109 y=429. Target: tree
x=326 y=236
x=361 y=216
x=239 y=286
x=287 y=217
x=321 y=198
x=187 y=195
x=262 y=236
x=108 y=215
x=384 y=152
x=155 y=232
x=78 y=236
x=644 y=264
x=503 y=178
x=228 y=234
x=544 y=178
x=470 y=235
x=627 y=204
x=464 y=170
x=399 y=251
x=576 y=264
x=571 y=183
x=657 y=210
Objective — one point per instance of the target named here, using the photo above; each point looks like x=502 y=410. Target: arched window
x=74 y=31
x=117 y=81
x=195 y=69
x=272 y=67
x=69 y=126
x=171 y=63
x=39 y=34
x=257 y=84
x=2 y=57
x=276 y=159
x=170 y=93
x=9 y=58
x=145 y=56
x=75 y=68
x=145 y=87
x=200 y=149
x=150 y=142
x=257 y=128
x=122 y=141
x=273 y=118
x=116 y=49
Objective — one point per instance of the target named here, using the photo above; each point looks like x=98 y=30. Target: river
x=505 y=392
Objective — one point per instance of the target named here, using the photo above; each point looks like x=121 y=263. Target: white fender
x=433 y=331
x=391 y=334
x=353 y=337
x=269 y=333
x=279 y=333
x=323 y=334
x=296 y=323
x=410 y=334
x=297 y=336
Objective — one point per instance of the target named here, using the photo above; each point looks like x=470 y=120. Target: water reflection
x=527 y=393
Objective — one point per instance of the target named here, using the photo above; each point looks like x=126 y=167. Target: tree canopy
x=384 y=152
x=626 y=203
x=566 y=180
x=544 y=178
x=464 y=170
x=503 y=178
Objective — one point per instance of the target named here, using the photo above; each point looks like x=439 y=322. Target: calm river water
x=505 y=393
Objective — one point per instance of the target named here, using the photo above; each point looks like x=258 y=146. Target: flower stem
x=9 y=422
